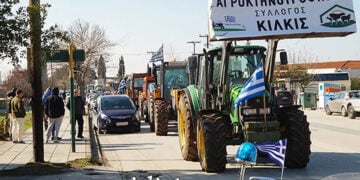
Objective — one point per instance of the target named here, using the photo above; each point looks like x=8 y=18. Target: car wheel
x=343 y=111
x=351 y=112
x=100 y=129
x=327 y=110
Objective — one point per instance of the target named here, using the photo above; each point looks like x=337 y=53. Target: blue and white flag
x=275 y=150
x=158 y=56
x=253 y=87
x=122 y=84
x=122 y=87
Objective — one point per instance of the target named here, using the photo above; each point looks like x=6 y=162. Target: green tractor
x=169 y=76
x=208 y=118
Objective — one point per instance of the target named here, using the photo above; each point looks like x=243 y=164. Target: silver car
x=345 y=102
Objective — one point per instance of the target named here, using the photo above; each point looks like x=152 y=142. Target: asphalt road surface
x=335 y=154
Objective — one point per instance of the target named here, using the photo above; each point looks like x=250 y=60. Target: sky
x=140 y=26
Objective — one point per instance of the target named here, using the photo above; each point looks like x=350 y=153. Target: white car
x=345 y=102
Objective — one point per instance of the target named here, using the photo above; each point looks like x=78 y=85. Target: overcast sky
x=139 y=26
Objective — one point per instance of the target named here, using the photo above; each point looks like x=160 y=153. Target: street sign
x=63 y=55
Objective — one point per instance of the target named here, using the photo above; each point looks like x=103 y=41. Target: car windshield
x=114 y=103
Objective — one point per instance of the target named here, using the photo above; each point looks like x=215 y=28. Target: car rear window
x=354 y=95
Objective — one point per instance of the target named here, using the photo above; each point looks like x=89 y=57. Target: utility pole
x=207 y=39
x=194 y=44
x=72 y=103
x=36 y=84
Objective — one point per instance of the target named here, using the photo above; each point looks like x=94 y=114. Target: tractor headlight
x=249 y=112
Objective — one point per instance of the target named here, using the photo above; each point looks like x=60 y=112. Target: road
x=335 y=154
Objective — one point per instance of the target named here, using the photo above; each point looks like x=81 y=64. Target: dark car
x=115 y=113
x=284 y=98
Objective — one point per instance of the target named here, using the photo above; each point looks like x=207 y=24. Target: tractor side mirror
x=148 y=70
x=192 y=61
x=283 y=58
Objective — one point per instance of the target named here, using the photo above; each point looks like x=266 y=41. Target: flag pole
x=265 y=111
x=283 y=164
x=242 y=171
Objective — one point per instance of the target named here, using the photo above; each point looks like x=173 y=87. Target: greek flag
x=158 y=56
x=253 y=87
x=122 y=84
x=275 y=150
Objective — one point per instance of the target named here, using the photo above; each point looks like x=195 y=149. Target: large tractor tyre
x=187 y=137
x=161 y=118
x=351 y=112
x=140 y=109
x=297 y=133
x=211 y=143
x=145 y=111
x=327 y=110
x=151 y=113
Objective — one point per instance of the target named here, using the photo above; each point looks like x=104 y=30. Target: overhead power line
x=143 y=54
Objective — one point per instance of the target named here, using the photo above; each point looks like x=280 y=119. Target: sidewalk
x=17 y=155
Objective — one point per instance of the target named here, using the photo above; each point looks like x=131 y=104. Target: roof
x=351 y=64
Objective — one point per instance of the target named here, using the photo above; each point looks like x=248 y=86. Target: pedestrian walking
x=79 y=111
x=54 y=110
x=63 y=94
x=46 y=94
x=18 y=115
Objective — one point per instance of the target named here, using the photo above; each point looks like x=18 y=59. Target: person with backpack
x=46 y=94
x=55 y=111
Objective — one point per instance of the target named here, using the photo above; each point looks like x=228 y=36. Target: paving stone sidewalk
x=17 y=155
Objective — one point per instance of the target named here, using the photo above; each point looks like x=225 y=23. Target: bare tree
x=19 y=78
x=92 y=39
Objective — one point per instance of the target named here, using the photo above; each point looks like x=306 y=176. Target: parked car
x=114 y=113
x=284 y=98
x=92 y=100
x=345 y=102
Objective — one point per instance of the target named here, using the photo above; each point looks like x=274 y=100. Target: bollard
x=93 y=145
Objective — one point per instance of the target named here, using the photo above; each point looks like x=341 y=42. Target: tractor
x=169 y=76
x=208 y=118
x=135 y=85
x=143 y=96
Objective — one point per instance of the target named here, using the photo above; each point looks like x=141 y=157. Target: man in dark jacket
x=55 y=110
x=18 y=113
x=79 y=111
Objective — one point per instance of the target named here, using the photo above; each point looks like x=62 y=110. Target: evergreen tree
x=121 y=71
x=101 y=68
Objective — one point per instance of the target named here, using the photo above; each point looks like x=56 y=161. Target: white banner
x=264 y=19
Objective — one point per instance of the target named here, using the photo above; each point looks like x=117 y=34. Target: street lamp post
x=194 y=44
x=207 y=39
